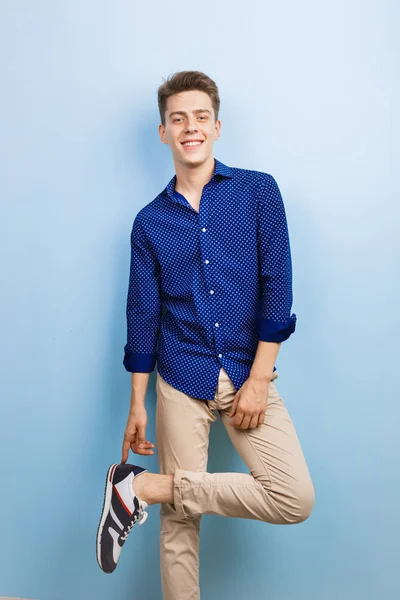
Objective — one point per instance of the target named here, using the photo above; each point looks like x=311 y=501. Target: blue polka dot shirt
x=205 y=286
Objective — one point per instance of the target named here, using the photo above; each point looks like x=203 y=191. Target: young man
x=210 y=295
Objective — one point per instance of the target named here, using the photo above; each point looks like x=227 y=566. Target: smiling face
x=190 y=127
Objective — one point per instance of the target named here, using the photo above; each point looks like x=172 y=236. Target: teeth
x=192 y=143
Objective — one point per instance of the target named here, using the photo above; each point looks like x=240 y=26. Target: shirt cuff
x=140 y=362
x=276 y=331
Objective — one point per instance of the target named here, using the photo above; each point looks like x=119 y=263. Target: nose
x=191 y=126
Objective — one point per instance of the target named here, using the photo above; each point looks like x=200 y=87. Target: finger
x=125 y=451
x=145 y=446
x=237 y=421
x=142 y=451
x=254 y=422
x=261 y=418
x=246 y=422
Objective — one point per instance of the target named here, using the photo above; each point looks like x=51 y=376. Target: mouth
x=192 y=144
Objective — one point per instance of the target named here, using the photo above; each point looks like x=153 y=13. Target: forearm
x=264 y=360
x=138 y=389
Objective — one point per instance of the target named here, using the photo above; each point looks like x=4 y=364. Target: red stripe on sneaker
x=112 y=472
x=122 y=502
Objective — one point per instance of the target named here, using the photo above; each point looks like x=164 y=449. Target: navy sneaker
x=121 y=510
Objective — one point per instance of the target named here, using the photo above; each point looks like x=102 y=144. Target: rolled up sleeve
x=143 y=307
x=275 y=322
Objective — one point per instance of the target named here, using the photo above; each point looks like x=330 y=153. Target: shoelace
x=140 y=517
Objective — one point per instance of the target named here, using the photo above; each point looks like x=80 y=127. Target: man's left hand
x=249 y=404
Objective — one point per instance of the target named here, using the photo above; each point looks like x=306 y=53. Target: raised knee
x=304 y=502
x=294 y=507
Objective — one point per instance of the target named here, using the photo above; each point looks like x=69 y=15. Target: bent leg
x=182 y=439
x=279 y=488
x=274 y=456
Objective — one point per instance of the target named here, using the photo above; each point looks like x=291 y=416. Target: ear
x=161 y=133
x=217 y=129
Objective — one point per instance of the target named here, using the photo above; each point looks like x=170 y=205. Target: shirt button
x=204 y=229
x=206 y=261
x=211 y=291
x=216 y=324
x=219 y=355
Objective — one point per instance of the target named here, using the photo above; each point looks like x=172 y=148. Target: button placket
x=210 y=291
x=217 y=326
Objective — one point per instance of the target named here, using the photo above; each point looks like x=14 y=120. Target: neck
x=191 y=180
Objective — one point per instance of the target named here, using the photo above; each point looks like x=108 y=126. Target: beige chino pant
x=277 y=490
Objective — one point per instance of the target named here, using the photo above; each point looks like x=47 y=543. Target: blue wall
x=310 y=93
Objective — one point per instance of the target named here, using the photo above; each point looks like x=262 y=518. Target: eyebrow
x=182 y=112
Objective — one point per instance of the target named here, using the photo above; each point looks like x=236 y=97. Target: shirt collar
x=219 y=169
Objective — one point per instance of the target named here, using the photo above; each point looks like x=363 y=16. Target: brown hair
x=184 y=81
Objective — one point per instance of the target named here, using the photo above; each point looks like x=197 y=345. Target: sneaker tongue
x=125 y=491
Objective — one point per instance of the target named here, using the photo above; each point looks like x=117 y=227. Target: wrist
x=260 y=377
x=136 y=401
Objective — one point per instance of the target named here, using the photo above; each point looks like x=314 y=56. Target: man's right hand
x=135 y=434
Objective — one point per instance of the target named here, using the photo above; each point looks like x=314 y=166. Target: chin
x=196 y=161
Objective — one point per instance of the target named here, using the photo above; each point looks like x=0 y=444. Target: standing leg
x=278 y=488
x=182 y=439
